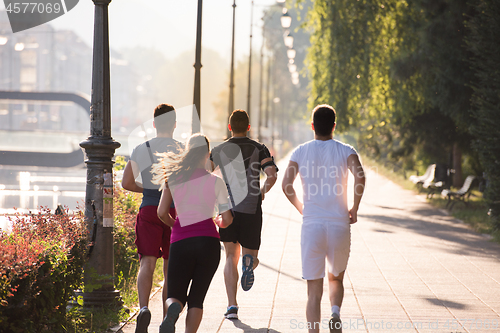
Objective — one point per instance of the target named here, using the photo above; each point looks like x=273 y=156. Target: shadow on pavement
x=383 y=231
x=436 y=224
x=285 y=219
x=272 y=268
x=386 y=207
x=446 y=304
x=281 y=272
x=248 y=329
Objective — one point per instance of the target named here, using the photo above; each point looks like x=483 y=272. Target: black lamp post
x=99 y=148
x=285 y=21
x=250 y=64
x=261 y=76
x=231 y=75
x=196 y=120
x=268 y=86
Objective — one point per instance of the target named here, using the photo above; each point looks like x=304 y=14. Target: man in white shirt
x=323 y=165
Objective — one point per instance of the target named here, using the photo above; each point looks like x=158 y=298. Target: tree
x=396 y=71
x=483 y=43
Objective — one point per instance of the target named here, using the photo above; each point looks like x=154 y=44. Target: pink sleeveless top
x=194 y=202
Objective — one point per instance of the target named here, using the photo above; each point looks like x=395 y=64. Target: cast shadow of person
x=248 y=329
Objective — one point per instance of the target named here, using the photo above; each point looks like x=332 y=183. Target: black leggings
x=192 y=260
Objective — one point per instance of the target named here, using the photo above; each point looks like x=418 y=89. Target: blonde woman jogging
x=195 y=243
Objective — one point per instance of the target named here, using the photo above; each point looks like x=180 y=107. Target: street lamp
x=100 y=148
x=196 y=122
x=268 y=86
x=231 y=75
x=250 y=64
x=280 y=3
x=292 y=68
x=288 y=39
x=19 y=47
x=291 y=53
x=261 y=76
x=286 y=20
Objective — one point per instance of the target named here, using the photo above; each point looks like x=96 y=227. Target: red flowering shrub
x=41 y=263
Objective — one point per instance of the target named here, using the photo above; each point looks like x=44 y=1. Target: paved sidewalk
x=412 y=269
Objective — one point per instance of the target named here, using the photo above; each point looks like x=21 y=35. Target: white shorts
x=324 y=239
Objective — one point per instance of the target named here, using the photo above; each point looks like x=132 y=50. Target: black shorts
x=192 y=261
x=245 y=229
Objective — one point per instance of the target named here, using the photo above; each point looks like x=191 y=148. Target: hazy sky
x=170 y=25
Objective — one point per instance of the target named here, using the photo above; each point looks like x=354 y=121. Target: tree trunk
x=457 y=165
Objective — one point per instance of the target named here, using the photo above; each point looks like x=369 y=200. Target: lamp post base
x=100 y=298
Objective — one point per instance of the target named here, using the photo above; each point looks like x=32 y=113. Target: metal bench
x=427 y=177
x=433 y=187
x=462 y=194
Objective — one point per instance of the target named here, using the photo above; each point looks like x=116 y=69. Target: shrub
x=41 y=263
x=126 y=206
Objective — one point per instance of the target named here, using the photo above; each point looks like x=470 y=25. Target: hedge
x=41 y=263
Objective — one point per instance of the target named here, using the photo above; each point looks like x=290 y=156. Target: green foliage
x=126 y=206
x=94 y=320
x=398 y=73
x=41 y=263
x=120 y=163
x=483 y=43
x=352 y=46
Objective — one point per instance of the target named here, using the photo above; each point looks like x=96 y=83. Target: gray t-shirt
x=144 y=155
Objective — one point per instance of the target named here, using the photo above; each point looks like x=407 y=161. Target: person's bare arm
x=226 y=217
x=290 y=174
x=357 y=171
x=129 y=176
x=271 y=176
x=164 y=207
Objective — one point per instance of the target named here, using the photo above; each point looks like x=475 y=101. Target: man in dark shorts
x=241 y=160
x=152 y=235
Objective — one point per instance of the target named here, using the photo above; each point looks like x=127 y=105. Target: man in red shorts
x=152 y=235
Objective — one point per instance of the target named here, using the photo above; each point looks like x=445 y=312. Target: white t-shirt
x=323 y=171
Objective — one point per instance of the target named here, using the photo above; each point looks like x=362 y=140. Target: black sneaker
x=168 y=324
x=143 y=320
x=335 y=324
x=232 y=312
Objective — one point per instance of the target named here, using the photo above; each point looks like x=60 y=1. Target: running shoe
x=232 y=312
x=168 y=324
x=335 y=324
x=143 y=320
x=247 y=277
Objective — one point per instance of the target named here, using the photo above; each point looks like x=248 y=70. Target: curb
x=118 y=328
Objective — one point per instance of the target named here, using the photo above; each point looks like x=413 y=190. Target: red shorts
x=152 y=236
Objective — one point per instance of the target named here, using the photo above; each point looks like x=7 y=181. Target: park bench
x=433 y=187
x=440 y=182
x=427 y=177
x=462 y=194
x=434 y=180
